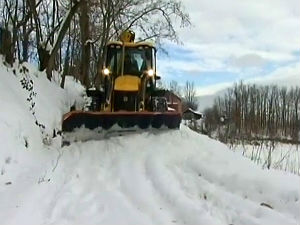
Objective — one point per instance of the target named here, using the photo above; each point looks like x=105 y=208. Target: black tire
x=173 y=123
x=107 y=123
x=144 y=124
x=157 y=122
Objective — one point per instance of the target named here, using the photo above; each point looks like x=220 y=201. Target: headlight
x=150 y=72
x=106 y=71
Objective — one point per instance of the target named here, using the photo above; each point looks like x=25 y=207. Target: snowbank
x=28 y=97
x=31 y=109
x=175 y=177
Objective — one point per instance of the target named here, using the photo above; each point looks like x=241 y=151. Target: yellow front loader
x=128 y=97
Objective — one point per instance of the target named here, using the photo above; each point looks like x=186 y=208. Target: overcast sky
x=229 y=40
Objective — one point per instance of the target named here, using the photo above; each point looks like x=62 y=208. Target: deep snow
x=175 y=177
x=282 y=156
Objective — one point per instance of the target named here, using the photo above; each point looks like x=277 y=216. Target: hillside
x=175 y=177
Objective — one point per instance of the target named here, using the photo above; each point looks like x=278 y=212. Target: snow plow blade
x=105 y=120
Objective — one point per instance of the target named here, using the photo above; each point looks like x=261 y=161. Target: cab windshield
x=136 y=60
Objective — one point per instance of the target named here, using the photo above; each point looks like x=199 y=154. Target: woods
x=252 y=112
x=69 y=35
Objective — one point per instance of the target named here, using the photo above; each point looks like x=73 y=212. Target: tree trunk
x=85 y=43
x=6 y=48
x=25 y=44
x=66 y=64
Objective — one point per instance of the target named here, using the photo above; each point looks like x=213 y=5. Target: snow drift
x=155 y=177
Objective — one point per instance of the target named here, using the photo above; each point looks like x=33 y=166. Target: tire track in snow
x=140 y=193
x=186 y=210
x=232 y=184
x=225 y=205
x=257 y=210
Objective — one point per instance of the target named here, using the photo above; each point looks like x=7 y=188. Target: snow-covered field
x=279 y=156
x=175 y=177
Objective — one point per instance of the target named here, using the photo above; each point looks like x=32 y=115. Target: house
x=190 y=114
x=194 y=120
x=173 y=101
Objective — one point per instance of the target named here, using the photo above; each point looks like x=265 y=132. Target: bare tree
x=75 y=32
x=47 y=54
x=258 y=112
x=189 y=94
x=175 y=87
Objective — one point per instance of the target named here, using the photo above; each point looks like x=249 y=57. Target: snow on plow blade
x=105 y=120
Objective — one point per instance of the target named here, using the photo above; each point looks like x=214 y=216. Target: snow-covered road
x=151 y=178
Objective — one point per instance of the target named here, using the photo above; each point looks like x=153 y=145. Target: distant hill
x=206 y=101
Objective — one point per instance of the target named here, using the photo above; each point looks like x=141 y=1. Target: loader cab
x=129 y=73
x=134 y=59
